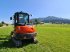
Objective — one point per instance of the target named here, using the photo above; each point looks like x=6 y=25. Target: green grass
x=51 y=37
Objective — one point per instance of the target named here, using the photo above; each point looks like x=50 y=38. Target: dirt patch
x=3 y=26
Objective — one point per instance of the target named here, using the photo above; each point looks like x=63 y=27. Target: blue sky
x=38 y=8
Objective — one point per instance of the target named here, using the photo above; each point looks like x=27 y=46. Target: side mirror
x=10 y=18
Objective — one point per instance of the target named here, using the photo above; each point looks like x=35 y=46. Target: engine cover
x=25 y=29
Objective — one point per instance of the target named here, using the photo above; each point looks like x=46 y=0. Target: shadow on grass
x=9 y=44
x=3 y=38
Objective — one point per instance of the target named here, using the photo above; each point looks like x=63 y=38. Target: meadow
x=51 y=38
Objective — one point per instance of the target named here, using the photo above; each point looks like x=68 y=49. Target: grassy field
x=51 y=38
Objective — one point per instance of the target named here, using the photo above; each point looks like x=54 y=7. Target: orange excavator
x=23 y=30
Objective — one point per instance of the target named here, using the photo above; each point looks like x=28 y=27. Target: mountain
x=52 y=19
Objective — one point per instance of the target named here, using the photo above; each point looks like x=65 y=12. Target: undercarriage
x=19 y=39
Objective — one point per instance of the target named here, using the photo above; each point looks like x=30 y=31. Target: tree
x=6 y=24
x=3 y=22
x=37 y=21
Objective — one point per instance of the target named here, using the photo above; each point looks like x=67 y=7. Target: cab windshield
x=23 y=19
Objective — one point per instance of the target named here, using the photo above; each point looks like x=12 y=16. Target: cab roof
x=21 y=13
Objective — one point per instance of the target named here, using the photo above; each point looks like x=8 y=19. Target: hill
x=53 y=19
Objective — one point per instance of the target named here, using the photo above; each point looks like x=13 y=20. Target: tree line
x=3 y=23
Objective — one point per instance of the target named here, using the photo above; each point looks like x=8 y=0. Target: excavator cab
x=21 y=19
x=22 y=29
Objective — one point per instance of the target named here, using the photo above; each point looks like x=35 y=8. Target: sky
x=38 y=8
